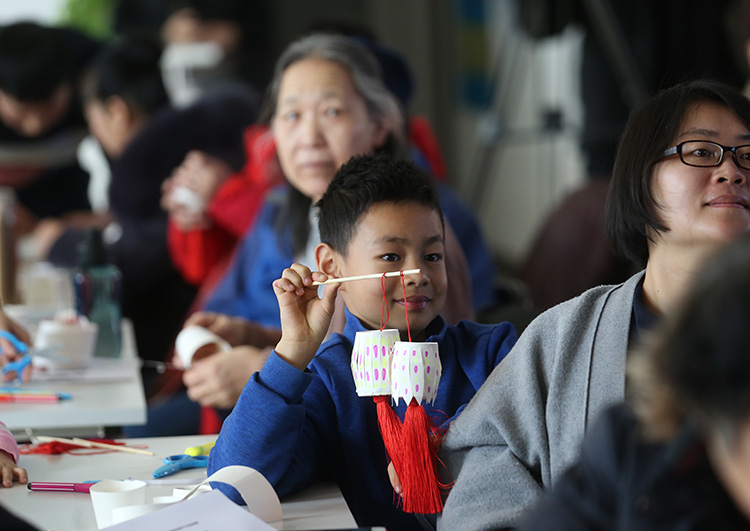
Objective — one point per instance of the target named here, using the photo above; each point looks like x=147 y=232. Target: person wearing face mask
x=679 y=190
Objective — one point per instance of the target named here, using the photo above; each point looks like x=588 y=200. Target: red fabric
x=422 y=136
x=58 y=447
x=210 y=421
x=232 y=210
x=419 y=477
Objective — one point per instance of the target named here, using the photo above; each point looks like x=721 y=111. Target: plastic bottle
x=98 y=291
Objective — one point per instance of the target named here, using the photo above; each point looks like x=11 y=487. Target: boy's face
x=394 y=237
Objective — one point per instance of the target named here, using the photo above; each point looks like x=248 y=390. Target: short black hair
x=34 y=61
x=651 y=129
x=128 y=68
x=364 y=181
x=702 y=356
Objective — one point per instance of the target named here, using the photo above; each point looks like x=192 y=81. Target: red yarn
x=57 y=447
x=418 y=476
x=390 y=429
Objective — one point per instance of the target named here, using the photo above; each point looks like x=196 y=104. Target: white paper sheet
x=211 y=511
x=100 y=370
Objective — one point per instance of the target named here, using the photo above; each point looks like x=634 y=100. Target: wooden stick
x=93 y=444
x=364 y=277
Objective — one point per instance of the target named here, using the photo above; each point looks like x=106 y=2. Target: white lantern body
x=415 y=371
x=371 y=361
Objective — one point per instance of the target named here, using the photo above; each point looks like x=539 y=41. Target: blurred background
x=527 y=97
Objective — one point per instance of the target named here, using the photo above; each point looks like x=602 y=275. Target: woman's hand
x=10 y=470
x=235 y=330
x=218 y=380
x=304 y=317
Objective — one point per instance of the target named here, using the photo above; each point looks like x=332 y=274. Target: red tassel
x=390 y=429
x=418 y=474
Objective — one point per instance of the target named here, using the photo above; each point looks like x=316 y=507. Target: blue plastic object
x=175 y=463
x=20 y=364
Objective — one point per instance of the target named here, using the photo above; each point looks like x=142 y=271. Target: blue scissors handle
x=175 y=463
x=19 y=345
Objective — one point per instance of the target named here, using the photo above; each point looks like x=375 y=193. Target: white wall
x=529 y=169
x=45 y=11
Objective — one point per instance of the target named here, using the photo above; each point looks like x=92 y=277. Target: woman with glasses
x=679 y=190
x=676 y=456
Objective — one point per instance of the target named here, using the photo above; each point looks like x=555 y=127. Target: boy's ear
x=326 y=258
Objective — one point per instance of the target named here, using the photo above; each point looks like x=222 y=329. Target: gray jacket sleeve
x=525 y=425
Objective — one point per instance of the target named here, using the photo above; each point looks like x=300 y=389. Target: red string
x=406 y=305
x=384 y=307
x=57 y=447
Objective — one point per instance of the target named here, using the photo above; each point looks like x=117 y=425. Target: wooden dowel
x=364 y=277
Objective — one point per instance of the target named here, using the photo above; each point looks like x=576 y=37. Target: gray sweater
x=525 y=425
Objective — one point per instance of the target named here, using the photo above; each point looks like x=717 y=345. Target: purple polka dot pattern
x=415 y=371
x=371 y=361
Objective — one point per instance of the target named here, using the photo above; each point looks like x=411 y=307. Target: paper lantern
x=415 y=371
x=371 y=361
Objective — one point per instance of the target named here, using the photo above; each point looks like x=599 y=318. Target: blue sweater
x=295 y=426
x=246 y=288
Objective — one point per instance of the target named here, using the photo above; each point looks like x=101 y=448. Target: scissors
x=22 y=348
x=175 y=463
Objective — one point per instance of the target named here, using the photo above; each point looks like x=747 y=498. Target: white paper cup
x=109 y=494
x=195 y=342
x=188 y=198
x=71 y=345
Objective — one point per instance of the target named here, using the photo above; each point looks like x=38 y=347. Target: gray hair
x=362 y=66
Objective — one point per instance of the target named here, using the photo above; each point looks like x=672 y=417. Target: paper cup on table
x=109 y=494
x=71 y=345
x=195 y=342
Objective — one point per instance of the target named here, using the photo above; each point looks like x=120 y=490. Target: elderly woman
x=681 y=461
x=679 y=189
x=326 y=104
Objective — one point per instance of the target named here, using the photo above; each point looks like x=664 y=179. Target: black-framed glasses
x=705 y=154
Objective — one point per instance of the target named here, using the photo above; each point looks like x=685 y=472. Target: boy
x=300 y=416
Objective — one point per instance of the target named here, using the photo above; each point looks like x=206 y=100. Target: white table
x=94 y=404
x=320 y=507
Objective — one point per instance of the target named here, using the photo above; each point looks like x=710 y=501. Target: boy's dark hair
x=34 y=61
x=128 y=68
x=698 y=368
x=364 y=181
x=651 y=129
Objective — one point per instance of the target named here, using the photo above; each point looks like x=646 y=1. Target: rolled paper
x=415 y=371
x=188 y=198
x=371 y=361
x=195 y=342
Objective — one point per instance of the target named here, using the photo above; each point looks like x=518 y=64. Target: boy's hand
x=393 y=476
x=304 y=317
x=9 y=470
